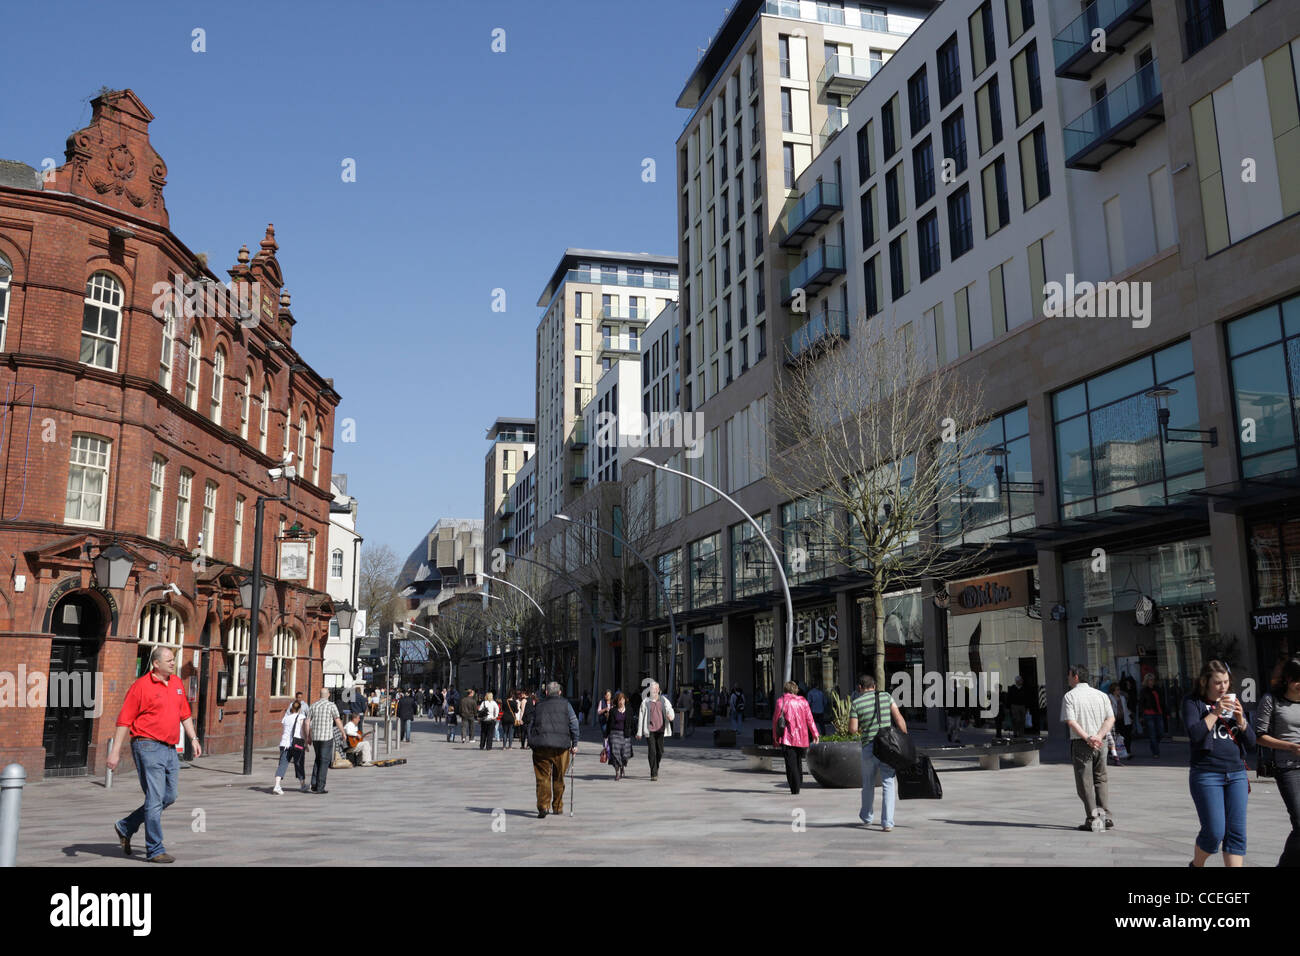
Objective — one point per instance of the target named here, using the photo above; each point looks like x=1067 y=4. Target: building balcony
x=600 y=278
x=814 y=209
x=623 y=314
x=579 y=437
x=836 y=121
x=507 y=535
x=813 y=273
x=1121 y=19
x=844 y=75
x=1117 y=121
x=828 y=327
x=579 y=474
x=506 y=510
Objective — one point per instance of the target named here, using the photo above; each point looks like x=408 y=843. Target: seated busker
x=355 y=739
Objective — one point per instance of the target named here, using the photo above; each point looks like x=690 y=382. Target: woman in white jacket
x=654 y=723
x=488 y=713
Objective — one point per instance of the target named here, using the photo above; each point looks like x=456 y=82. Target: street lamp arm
x=776 y=559
x=577 y=589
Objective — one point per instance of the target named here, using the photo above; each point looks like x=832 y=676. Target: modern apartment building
x=591 y=298
x=523 y=499
x=514 y=442
x=765 y=98
x=1161 y=437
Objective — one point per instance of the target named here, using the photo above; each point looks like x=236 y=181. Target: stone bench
x=1023 y=753
x=765 y=757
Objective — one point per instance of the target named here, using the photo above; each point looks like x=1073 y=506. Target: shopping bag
x=920 y=781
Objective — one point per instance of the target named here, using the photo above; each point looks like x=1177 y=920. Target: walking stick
x=573 y=758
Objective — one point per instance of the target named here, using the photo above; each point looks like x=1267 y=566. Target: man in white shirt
x=351 y=731
x=1089 y=715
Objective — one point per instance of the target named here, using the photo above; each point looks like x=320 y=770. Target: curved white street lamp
x=780 y=568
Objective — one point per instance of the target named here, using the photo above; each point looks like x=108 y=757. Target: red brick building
x=130 y=420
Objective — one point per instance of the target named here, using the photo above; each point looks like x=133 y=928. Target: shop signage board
x=817 y=626
x=992 y=593
x=1276 y=620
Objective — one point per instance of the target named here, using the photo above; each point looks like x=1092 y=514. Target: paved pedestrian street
x=455 y=804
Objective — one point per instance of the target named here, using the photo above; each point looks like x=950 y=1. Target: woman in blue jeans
x=1219 y=737
x=1277 y=725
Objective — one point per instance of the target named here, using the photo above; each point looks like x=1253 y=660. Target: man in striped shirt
x=872 y=711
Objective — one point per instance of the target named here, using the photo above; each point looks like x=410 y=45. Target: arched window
x=284 y=658
x=237 y=658
x=218 y=383
x=336 y=563
x=168 y=344
x=315 y=457
x=264 y=416
x=159 y=625
x=6 y=274
x=101 y=321
x=302 y=445
x=192 y=372
x=243 y=408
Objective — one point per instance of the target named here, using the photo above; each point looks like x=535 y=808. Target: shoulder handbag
x=297 y=743
x=892 y=746
x=781 y=722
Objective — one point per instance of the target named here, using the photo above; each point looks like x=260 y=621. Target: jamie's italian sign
x=989 y=594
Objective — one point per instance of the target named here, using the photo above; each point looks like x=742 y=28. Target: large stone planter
x=837 y=764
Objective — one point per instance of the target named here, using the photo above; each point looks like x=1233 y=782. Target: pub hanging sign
x=991 y=593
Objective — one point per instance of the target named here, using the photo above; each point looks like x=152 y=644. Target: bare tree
x=514 y=615
x=378 y=590
x=874 y=437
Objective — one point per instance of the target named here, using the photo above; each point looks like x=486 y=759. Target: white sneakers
x=1098 y=820
x=277 y=791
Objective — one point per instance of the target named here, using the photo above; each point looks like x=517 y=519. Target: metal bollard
x=12 y=779
x=388 y=739
x=108 y=774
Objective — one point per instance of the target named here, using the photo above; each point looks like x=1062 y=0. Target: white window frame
x=103 y=294
x=302 y=443
x=236 y=651
x=264 y=417
x=244 y=405
x=209 y=515
x=218 y=383
x=168 y=354
x=336 y=563
x=284 y=647
x=161 y=626
x=192 y=370
x=89 y=455
x=237 y=558
x=157 y=487
x=184 y=490
x=315 y=457
x=6 y=276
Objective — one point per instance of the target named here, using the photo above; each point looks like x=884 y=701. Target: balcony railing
x=507 y=535
x=600 y=278
x=844 y=74
x=579 y=437
x=1121 y=20
x=836 y=121
x=790 y=9
x=814 y=208
x=622 y=314
x=814 y=272
x=579 y=474
x=1115 y=121
x=829 y=326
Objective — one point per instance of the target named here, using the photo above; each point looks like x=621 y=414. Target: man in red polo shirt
x=154 y=708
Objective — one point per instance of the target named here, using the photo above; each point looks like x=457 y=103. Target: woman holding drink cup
x=1219 y=736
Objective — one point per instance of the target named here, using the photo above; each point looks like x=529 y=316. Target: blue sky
x=474 y=171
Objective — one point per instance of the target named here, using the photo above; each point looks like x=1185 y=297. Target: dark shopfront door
x=1274 y=649
x=77 y=625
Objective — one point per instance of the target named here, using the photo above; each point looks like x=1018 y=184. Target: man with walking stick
x=553 y=733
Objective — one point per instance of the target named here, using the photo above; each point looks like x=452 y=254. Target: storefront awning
x=1132 y=522
x=1234 y=497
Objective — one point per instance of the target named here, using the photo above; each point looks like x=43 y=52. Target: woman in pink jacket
x=792 y=729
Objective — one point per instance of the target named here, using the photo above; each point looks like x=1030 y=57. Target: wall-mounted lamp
x=1198 y=436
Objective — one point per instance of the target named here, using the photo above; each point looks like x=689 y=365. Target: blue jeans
x=738 y=720
x=1152 y=723
x=1220 y=800
x=406 y=731
x=888 y=784
x=1288 y=785
x=451 y=729
x=157 y=765
x=296 y=757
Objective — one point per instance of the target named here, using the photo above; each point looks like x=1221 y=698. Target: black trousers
x=486 y=731
x=655 y=747
x=321 y=768
x=793 y=765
